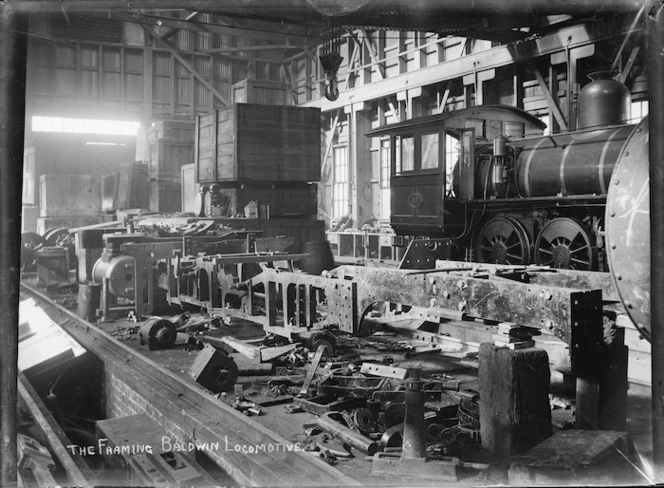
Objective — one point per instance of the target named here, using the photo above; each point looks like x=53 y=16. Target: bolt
x=613 y=246
x=612 y=214
x=617 y=182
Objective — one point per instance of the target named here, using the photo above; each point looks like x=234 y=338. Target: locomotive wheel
x=503 y=240
x=565 y=243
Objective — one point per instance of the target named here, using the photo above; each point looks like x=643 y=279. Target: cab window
x=429 y=151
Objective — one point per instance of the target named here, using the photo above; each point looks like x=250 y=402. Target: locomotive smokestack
x=604 y=101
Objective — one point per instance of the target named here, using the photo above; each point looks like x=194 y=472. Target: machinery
x=486 y=177
x=484 y=184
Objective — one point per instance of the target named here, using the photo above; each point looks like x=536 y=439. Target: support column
x=13 y=45
x=360 y=163
x=655 y=63
x=147 y=84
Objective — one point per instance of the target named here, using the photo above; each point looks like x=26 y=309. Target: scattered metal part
x=293 y=409
x=384 y=371
x=394 y=414
x=320 y=405
x=312 y=369
x=364 y=420
x=354 y=439
x=392 y=437
x=158 y=333
x=350 y=422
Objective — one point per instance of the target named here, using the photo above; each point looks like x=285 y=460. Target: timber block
x=579 y=457
x=514 y=399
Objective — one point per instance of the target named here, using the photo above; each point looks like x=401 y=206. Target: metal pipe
x=345 y=434
x=13 y=46
x=655 y=62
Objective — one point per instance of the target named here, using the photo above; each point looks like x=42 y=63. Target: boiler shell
x=569 y=164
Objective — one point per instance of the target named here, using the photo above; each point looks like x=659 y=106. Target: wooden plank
x=78 y=472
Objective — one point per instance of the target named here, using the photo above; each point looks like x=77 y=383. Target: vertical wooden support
x=13 y=45
x=147 y=85
x=514 y=399
x=359 y=163
x=612 y=414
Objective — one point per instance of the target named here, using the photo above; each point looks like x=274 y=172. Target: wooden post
x=514 y=399
x=13 y=45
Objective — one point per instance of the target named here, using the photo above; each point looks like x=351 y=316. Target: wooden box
x=171 y=131
x=250 y=142
x=167 y=157
x=132 y=187
x=165 y=196
x=262 y=91
x=69 y=194
x=282 y=200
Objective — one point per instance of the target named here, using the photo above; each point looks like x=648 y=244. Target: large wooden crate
x=132 y=186
x=262 y=91
x=69 y=194
x=171 y=131
x=167 y=157
x=274 y=200
x=250 y=142
x=165 y=196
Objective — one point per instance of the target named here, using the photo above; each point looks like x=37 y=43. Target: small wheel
x=503 y=240
x=56 y=235
x=565 y=243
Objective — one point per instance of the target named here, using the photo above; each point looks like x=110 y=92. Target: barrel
x=319 y=257
x=88 y=300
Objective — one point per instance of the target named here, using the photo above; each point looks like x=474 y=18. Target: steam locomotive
x=487 y=178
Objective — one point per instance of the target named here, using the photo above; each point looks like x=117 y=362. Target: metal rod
x=345 y=434
x=655 y=62
x=13 y=46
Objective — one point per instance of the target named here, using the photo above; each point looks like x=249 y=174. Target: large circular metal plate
x=628 y=227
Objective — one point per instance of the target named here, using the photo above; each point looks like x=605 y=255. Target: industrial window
x=405 y=151
x=85 y=126
x=429 y=151
x=451 y=158
x=340 y=186
x=385 y=163
x=639 y=110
